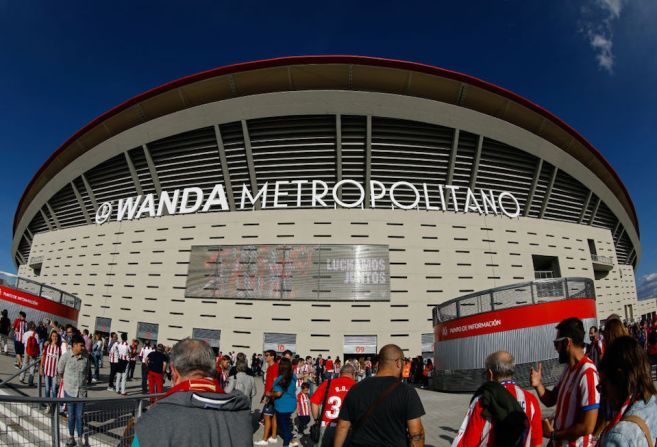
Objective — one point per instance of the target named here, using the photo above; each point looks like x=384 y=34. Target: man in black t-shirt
x=157 y=364
x=381 y=410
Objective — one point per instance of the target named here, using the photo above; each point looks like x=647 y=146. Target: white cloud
x=647 y=287
x=613 y=6
x=602 y=44
x=597 y=21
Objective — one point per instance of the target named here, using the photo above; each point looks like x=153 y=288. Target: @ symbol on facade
x=103 y=213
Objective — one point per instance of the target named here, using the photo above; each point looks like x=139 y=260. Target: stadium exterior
x=324 y=204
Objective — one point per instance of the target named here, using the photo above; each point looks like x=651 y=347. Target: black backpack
x=510 y=423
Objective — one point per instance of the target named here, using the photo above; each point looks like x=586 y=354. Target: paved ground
x=444 y=411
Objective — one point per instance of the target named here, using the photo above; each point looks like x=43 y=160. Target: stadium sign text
x=436 y=197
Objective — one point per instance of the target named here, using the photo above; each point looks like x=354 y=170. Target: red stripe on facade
x=515 y=318
x=30 y=301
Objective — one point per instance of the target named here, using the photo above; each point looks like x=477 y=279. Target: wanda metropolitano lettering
x=431 y=197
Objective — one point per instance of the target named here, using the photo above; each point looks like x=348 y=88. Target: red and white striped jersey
x=123 y=351
x=476 y=431
x=50 y=360
x=577 y=393
x=20 y=327
x=143 y=354
x=114 y=353
x=299 y=373
x=303 y=405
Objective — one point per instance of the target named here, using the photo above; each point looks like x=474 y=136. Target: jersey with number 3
x=334 y=399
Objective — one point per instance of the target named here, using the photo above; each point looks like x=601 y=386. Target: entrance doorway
x=280 y=342
x=357 y=346
x=147 y=331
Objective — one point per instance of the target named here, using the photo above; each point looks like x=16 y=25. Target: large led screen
x=289 y=272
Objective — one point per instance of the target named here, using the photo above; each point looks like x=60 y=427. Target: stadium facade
x=321 y=204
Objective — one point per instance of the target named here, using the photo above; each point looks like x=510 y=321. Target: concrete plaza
x=444 y=411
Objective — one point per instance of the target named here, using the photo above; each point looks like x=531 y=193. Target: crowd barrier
x=43 y=422
x=33 y=421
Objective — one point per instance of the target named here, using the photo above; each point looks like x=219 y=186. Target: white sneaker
x=272 y=440
x=261 y=442
x=294 y=443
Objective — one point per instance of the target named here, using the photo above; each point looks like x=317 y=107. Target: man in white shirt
x=123 y=353
x=30 y=341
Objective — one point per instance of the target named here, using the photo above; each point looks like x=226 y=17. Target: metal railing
x=34 y=366
x=39 y=421
x=514 y=295
x=602 y=259
x=543 y=274
x=40 y=289
x=31 y=421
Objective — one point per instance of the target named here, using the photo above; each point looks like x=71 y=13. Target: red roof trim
x=332 y=59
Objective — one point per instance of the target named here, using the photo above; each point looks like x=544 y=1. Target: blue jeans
x=284 y=427
x=97 y=359
x=75 y=411
x=51 y=386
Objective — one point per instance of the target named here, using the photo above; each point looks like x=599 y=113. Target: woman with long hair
x=628 y=389
x=52 y=351
x=614 y=328
x=285 y=401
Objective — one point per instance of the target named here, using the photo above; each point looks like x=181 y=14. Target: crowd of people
x=605 y=396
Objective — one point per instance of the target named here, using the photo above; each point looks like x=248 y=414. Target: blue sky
x=591 y=62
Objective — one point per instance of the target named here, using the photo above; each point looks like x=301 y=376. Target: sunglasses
x=556 y=341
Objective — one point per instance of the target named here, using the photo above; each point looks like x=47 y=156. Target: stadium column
x=133 y=173
x=152 y=170
x=620 y=235
x=249 y=160
x=475 y=165
x=78 y=196
x=631 y=257
x=53 y=215
x=452 y=162
x=585 y=207
x=368 y=161
x=532 y=190
x=224 y=167
x=595 y=211
x=46 y=219
x=616 y=228
x=548 y=192
x=338 y=152
x=90 y=192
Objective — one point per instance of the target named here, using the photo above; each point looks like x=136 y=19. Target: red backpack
x=32 y=348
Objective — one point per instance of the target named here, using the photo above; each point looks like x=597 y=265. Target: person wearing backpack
x=501 y=413
x=32 y=353
x=631 y=413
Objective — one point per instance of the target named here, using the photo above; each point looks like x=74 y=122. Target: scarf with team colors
x=206 y=385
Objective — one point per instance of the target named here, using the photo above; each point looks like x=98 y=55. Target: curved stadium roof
x=328 y=73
